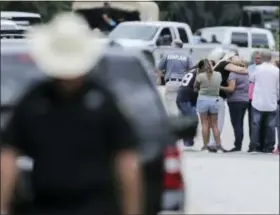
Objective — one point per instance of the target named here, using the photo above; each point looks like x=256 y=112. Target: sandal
x=204 y=149
x=220 y=149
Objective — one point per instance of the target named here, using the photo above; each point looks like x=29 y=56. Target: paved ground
x=236 y=183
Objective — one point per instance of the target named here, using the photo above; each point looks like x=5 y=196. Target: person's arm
x=231 y=83
x=197 y=83
x=189 y=63
x=162 y=63
x=230 y=87
x=9 y=175
x=127 y=162
x=12 y=142
x=237 y=69
x=278 y=88
x=162 y=66
x=128 y=172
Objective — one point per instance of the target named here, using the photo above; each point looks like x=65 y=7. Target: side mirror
x=159 y=42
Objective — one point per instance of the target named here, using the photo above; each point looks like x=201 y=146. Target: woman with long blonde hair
x=208 y=84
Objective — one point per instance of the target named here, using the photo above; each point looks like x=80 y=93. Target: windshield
x=268 y=15
x=135 y=32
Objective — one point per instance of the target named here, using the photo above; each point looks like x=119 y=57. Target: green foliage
x=277 y=14
x=197 y=14
x=277 y=39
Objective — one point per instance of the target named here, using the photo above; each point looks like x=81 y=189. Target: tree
x=277 y=34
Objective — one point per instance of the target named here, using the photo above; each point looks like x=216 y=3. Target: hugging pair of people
x=206 y=88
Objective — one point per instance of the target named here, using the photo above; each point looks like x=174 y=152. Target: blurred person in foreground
x=84 y=150
x=264 y=104
x=224 y=66
x=173 y=67
x=208 y=85
x=238 y=101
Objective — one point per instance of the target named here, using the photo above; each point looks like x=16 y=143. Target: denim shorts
x=207 y=104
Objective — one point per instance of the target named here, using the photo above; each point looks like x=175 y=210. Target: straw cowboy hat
x=226 y=57
x=65 y=48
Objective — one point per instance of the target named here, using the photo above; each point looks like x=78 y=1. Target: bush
x=277 y=39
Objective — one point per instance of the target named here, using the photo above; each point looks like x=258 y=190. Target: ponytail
x=208 y=69
x=205 y=66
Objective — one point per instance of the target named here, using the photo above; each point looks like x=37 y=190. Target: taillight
x=173 y=178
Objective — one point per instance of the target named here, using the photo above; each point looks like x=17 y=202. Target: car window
x=136 y=32
x=7 y=27
x=27 y=20
x=240 y=39
x=183 y=35
x=165 y=37
x=259 y=40
x=256 y=18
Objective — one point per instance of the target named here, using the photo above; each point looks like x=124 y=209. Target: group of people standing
x=205 y=89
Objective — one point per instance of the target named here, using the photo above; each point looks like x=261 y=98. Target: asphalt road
x=235 y=183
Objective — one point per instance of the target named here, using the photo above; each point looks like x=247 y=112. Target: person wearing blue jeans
x=270 y=122
x=187 y=109
x=186 y=99
x=278 y=127
x=264 y=103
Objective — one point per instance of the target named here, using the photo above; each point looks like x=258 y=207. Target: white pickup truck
x=158 y=36
x=151 y=33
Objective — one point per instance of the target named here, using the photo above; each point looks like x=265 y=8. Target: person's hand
x=160 y=74
x=158 y=81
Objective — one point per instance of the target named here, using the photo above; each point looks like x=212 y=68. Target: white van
x=23 y=19
x=243 y=37
x=247 y=39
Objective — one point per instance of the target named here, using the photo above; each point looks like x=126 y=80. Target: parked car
x=18 y=73
x=24 y=20
x=10 y=29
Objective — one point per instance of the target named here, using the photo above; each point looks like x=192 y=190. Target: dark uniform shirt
x=225 y=74
x=73 y=142
x=186 y=91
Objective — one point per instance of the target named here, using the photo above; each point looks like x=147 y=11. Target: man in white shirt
x=256 y=60
x=264 y=103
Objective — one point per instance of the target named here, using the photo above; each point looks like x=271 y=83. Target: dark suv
x=18 y=73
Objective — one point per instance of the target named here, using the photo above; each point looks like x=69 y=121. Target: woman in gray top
x=208 y=83
x=238 y=102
